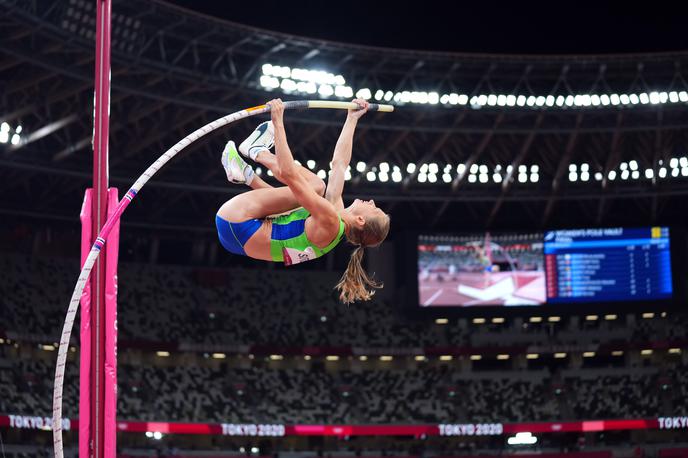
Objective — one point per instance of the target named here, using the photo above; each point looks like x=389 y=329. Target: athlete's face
x=365 y=208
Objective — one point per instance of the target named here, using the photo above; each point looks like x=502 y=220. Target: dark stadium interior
x=209 y=338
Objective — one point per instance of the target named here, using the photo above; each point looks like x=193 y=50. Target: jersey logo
x=294 y=256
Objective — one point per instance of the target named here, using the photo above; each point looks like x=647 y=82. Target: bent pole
x=124 y=203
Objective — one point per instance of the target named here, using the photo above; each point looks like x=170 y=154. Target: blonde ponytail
x=355 y=283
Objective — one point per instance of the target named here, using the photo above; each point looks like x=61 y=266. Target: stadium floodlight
x=522 y=168
x=288 y=85
x=663 y=97
x=549 y=101
x=363 y=358
x=386 y=358
x=4 y=136
x=322 y=174
x=591 y=318
x=675 y=351
x=573 y=176
x=610 y=317
x=510 y=100
x=310 y=163
x=482 y=100
x=463 y=99
x=625 y=100
x=611 y=175
x=521 y=100
x=419 y=358
x=276 y=357
x=598 y=176
x=674 y=172
x=478 y=321
x=343 y=92
x=501 y=100
x=410 y=167
x=584 y=176
x=662 y=172
x=534 y=177
x=673 y=163
x=684 y=172
x=388 y=96
x=307 y=357
x=360 y=166
x=646 y=352
x=560 y=101
x=384 y=167
x=532 y=356
x=444 y=99
x=492 y=100
x=162 y=354
x=432 y=178
x=446 y=178
x=422 y=177
x=648 y=315
x=370 y=176
x=433 y=98
x=383 y=177
x=396 y=176
x=683 y=96
x=433 y=168
x=347 y=174
x=683 y=162
x=654 y=97
x=634 y=99
x=570 y=100
x=255 y=450
x=644 y=98
x=535 y=319
x=364 y=93
x=604 y=99
x=325 y=90
x=588 y=354
x=441 y=321
x=554 y=319
x=633 y=165
x=625 y=174
x=483 y=178
x=379 y=94
x=530 y=101
x=497 y=178
x=472 y=178
x=614 y=99
x=446 y=357
x=585 y=167
x=635 y=174
x=461 y=169
x=560 y=355
x=573 y=167
x=595 y=100
x=483 y=168
x=502 y=357
x=476 y=357
x=332 y=358
x=498 y=320
x=424 y=168
x=522 y=177
x=474 y=168
x=617 y=353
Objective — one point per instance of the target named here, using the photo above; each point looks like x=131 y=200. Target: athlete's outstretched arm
x=322 y=211
x=342 y=155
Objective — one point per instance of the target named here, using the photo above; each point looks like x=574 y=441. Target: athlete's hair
x=355 y=284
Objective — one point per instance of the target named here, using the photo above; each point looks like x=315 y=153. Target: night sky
x=553 y=27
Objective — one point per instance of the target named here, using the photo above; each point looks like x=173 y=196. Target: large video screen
x=554 y=267
x=484 y=269
x=608 y=264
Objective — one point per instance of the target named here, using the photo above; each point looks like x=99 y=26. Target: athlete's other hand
x=276 y=110
x=356 y=114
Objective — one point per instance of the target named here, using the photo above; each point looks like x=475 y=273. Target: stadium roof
x=530 y=160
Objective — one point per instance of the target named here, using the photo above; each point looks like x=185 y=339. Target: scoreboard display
x=553 y=267
x=616 y=264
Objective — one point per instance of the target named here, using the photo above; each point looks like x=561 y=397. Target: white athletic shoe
x=261 y=138
x=238 y=171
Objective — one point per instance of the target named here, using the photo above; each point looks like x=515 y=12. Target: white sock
x=253 y=151
x=249 y=174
